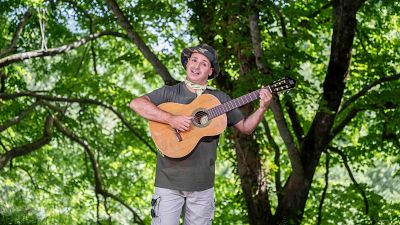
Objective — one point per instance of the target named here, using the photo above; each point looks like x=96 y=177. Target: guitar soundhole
x=200 y=118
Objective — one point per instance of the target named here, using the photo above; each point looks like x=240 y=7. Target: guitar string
x=200 y=115
x=230 y=105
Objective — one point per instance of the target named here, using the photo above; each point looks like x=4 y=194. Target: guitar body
x=167 y=139
x=208 y=119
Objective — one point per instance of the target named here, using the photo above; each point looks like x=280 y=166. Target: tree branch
x=96 y=170
x=80 y=101
x=3 y=146
x=97 y=209
x=276 y=107
x=2 y=82
x=317 y=139
x=297 y=128
x=360 y=37
x=366 y=89
x=325 y=6
x=296 y=125
x=55 y=51
x=321 y=203
x=318 y=136
x=89 y=153
x=353 y=112
x=136 y=217
x=271 y=141
x=346 y=164
x=28 y=148
x=136 y=39
x=35 y=185
x=20 y=27
x=293 y=152
x=107 y=210
x=81 y=61
x=92 y=47
x=281 y=20
x=304 y=23
x=350 y=115
x=256 y=38
x=20 y=117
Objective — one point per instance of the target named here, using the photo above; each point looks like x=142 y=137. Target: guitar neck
x=233 y=104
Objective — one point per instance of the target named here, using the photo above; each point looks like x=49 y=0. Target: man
x=188 y=183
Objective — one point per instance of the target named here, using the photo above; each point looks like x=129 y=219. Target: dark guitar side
x=165 y=137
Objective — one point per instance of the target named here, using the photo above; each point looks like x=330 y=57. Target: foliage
x=87 y=91
x=18 y=217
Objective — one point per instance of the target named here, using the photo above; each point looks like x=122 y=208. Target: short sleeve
x=159 y=96
x=234 y=116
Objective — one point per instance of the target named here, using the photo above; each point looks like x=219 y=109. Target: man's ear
x=212 y=70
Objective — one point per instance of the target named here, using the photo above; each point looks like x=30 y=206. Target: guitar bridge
x=178 y=135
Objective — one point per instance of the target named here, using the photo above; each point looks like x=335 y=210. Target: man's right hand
x=148 y=110
x=180 y=123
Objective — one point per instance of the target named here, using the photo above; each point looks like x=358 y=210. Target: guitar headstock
x=283 y=84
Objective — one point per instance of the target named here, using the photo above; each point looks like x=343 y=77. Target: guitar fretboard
x=233 y=104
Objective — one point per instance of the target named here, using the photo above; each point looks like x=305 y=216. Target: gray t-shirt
x=196 y=171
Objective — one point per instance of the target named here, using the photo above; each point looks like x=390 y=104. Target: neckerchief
x=198 y=88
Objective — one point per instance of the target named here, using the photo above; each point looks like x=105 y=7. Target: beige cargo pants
x=198 y=207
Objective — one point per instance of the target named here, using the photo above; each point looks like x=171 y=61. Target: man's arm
x=144 y=107
x=248 y=125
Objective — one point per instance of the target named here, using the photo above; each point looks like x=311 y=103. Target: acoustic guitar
x=208 y=119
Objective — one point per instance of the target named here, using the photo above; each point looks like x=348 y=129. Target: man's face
x=198 y=69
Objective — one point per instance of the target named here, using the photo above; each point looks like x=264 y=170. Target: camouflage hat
x=205 y=50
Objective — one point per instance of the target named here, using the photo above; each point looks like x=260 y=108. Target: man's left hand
x=265 y=98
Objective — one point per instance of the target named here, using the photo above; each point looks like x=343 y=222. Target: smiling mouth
x=195 y=72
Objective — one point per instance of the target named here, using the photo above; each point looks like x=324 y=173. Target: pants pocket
x=212 y=210
x=155 y=206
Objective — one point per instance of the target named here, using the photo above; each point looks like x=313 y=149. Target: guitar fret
x=233 y=104
x=210 y=113
x=244 y=100
x=275 y=87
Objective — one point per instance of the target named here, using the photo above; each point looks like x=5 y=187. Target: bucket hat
x=205 y=50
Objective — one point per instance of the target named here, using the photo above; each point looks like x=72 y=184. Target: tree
x=69 y=68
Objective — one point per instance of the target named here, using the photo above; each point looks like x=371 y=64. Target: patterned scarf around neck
x=198 y=88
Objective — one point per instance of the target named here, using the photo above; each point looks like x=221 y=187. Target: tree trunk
x=291 y=208
x=252 y=178
x=253 y=182
x=251 y=173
